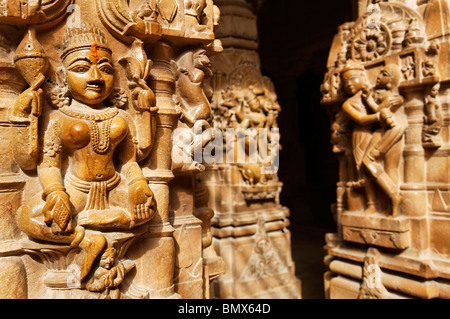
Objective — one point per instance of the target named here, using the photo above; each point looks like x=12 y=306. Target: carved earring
x=59 y=94
x=118 y=98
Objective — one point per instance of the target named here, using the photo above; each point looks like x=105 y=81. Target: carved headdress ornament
x=352 y=65
x=87 y=36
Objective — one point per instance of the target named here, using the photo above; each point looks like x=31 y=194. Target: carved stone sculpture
x=249 y=227
x=85 y=133
x=386 y=93
x=90 y=94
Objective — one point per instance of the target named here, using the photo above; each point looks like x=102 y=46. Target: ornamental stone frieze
x=387 y=93
x=93 y=203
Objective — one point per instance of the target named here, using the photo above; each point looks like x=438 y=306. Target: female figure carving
x=432 y=118
x=88 y=172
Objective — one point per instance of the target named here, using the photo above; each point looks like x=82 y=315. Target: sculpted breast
x=75 y=134
x=119 y=129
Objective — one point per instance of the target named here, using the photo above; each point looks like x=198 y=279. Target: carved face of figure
x=107 y=260
x=353 y=81
x=90 y=75
x=201 y=59
x=435 y=90
x=384 y=79
x=388 y=77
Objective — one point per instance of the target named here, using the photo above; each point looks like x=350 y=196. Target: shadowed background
x=294 y=41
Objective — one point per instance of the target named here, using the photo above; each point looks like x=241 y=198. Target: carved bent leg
x=30 y=220
x=389 y=143
x=385 y=182
x=369 y=189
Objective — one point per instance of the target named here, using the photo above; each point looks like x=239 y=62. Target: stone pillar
x=12 y=270
x=250 y=226
x=89 y=191
x=158 y=247
x=391 y=240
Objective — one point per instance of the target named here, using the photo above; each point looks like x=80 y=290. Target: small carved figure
x=84 y=140
x=250 y=114
x=432 y=118
x=193 y=9
x=385 y=100
x=137 y=67
x=109 y=275
x=191 y=69
x=432 y=105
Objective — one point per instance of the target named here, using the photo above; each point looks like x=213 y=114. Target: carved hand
x=366 y=93
x=386 y=115
x=142 y=200
x=29 y=102
x=57 y=211
x=396 y=101
x=145 y=101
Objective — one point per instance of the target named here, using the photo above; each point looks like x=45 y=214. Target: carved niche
x=89 y=100
x=386 y=91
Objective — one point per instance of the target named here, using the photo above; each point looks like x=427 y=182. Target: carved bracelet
x=52 y=189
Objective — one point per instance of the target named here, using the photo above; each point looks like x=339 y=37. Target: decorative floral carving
x=408 y=68
x=370 y=44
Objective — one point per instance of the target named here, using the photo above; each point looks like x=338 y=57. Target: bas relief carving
x=365 y=108
x=386 y=91
x=248 y=104
x=90 y=135
x=81 y=188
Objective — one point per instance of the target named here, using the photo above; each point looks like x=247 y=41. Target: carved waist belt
x=97 y=191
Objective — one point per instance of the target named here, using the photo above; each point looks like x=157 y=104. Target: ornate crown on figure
x=86 y=36
x=352 y=65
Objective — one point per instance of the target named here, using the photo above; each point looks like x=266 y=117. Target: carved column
x=12 y=269
x=390 y=135
x=91 y=93
x=159 y=244
x=250 y=226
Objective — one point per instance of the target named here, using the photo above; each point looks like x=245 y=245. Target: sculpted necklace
x=99 y=125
